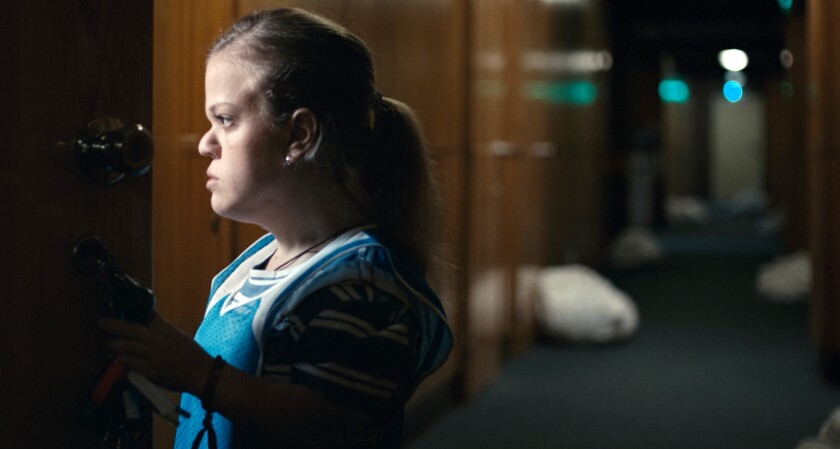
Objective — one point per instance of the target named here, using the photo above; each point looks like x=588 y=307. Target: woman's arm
x=269 y=411
x=286 y=413
x=337 y=369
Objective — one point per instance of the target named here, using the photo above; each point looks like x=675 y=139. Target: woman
x=317 y=334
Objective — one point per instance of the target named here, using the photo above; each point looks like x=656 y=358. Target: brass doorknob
x=109 y=150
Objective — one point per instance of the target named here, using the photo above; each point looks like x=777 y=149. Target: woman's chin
x=219 y=207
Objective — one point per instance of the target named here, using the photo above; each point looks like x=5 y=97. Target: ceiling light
x=733 y=60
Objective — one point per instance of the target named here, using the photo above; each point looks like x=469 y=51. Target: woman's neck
x=303 y=230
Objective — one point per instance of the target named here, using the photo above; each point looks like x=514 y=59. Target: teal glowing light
x=578 y=93
x=673 y=91
x=581 y=92
x=786 y=5
x=732 y=91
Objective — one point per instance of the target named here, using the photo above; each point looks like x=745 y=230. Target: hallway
x=712 y=366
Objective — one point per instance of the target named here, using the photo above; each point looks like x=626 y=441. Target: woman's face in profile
x=245 y=172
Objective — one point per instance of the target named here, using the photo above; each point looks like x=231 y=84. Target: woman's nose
x=208 y=145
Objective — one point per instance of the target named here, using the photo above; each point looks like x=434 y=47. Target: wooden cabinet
x=823 y=149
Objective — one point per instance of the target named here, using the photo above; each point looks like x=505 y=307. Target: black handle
x=129 y=299
x=109 y=150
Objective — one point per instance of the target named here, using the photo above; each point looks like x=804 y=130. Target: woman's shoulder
x=354 y=301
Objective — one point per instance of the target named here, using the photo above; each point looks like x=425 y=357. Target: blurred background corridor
x=590 y=133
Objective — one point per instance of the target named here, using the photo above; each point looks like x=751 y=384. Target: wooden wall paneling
x=575 y=201
x=190 y=243
x=793 y=176
x=430 y=68
x=333 y=9
x=508 y=151
x=524 y=173
x=509 y=202
x=824 y=161
x=488 y=90
x=487 y=283
x=380 y=24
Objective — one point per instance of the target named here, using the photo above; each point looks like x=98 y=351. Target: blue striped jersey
x=356 y=324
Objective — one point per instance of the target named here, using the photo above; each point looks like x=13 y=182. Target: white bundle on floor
x=748 y=202
x=576 y=303
x=829 y=436
x=685 y=210
x=786 y=279
x=830 y=430
x=634 y=246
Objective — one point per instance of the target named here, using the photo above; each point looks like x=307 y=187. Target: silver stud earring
x=289 y=160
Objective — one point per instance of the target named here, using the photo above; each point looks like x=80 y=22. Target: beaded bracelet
x=210 y=384
x=206 y=400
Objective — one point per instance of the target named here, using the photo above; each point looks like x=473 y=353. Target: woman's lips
x=211 y=180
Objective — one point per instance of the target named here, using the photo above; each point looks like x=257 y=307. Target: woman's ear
x=303 y=133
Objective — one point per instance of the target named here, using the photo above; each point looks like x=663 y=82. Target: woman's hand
x=275 y=412
x=159 y=351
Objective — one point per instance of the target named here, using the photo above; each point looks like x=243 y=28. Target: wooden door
x=65 y=64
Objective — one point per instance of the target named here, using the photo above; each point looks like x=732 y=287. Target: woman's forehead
x=232 y=67
x=228 y=79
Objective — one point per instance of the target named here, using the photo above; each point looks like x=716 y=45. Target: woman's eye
x=224 y=120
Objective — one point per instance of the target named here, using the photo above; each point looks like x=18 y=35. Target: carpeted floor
x=712 y=367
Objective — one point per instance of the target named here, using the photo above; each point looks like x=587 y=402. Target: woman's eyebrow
x=213 y=106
